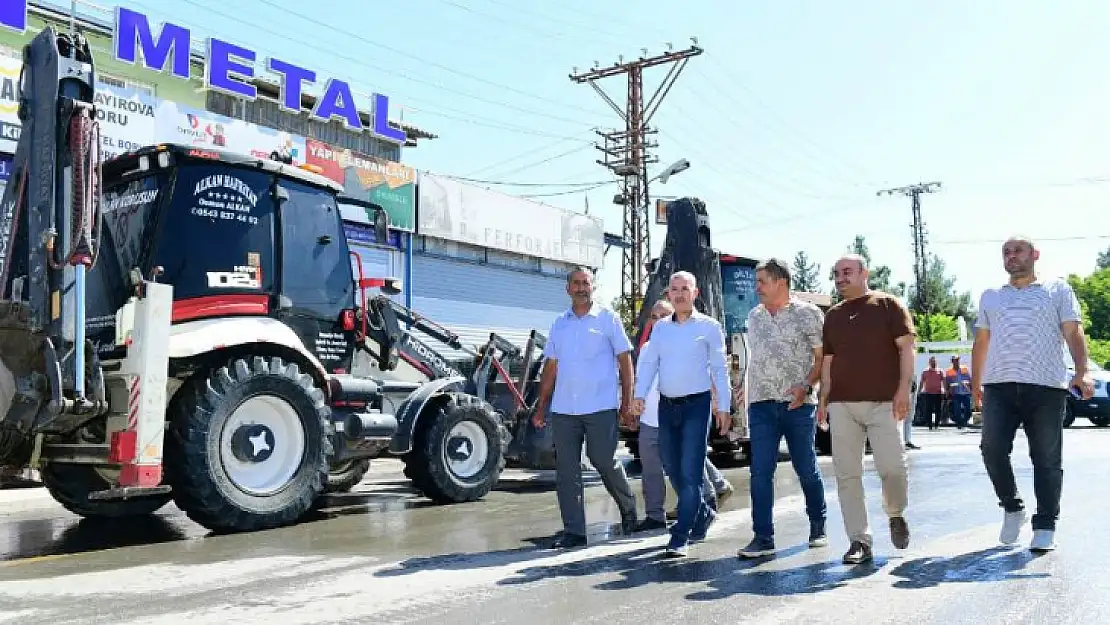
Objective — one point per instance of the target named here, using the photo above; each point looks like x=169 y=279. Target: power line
x=529 y=152
x=572 y=191
x=433 y=106
x=1036 y=240
x=419 y=59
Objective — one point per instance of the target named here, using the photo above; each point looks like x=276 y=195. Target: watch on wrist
x=808 y=387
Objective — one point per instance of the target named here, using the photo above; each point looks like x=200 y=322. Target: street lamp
x=676 y=167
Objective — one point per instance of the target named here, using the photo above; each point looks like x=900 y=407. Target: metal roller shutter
x=473 y=299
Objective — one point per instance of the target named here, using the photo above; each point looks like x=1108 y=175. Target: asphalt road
x=382 y=555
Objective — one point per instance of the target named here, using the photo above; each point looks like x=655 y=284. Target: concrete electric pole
x=627 y=155
x=920 y=257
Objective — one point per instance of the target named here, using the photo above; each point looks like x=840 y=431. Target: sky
x=793 y=118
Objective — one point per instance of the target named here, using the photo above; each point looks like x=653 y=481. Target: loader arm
x=51 y=217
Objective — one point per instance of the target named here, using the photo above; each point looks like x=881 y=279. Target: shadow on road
x=89 y=535
x=987 y=565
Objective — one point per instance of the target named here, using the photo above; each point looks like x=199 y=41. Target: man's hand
x=628 y=419
x=539 y=418
x=637 y=407
x=902 y=402
x=1085 y=383
x=797 y=394
x=977 y=397
x=724 y=422
x=823 y=416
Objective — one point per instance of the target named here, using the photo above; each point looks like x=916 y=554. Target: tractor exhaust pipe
x=360 y=426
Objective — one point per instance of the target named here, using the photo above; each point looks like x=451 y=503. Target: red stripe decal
x=220 y=306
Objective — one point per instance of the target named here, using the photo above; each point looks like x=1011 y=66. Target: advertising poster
x=177 y=123
x=125 y=116
x=468 y=214
x=388 y=184
x=738 y=289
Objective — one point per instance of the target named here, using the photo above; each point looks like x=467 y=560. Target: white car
x=1097 y=408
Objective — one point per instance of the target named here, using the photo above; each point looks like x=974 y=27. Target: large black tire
x=428 y=464
x=198 y=455
x=346 y=475
x=70 y=485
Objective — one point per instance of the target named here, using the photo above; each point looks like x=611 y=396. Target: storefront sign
x=126 y=116
x=468 y=214
x=5 y=168
x=359 y=234
x=388 y=184
x=228 y=68
x=177 y=123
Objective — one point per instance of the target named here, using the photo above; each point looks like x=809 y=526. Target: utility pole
x=626 y=154
x=920 y=257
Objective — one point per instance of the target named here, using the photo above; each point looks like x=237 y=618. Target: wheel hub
x=253 y=443
x=459 y=448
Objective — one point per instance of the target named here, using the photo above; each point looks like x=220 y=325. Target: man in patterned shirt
x=785 y=364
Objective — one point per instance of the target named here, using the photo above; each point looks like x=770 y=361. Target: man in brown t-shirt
x=868 y=342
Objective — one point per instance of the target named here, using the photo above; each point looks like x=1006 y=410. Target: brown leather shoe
x=899 y=532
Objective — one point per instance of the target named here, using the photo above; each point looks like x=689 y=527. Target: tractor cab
x=236 y=236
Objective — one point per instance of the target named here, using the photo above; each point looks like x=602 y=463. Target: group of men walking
x=850 y=370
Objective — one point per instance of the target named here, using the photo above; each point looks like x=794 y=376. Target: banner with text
x=177 y=123
x=468 y=214
x=126 y=117
x=388 y=184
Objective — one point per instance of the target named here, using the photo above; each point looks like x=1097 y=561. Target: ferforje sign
x=227 y=70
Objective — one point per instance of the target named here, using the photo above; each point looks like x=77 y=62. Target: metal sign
x=228 y=69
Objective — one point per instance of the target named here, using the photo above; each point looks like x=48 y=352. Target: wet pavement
x=383 y=555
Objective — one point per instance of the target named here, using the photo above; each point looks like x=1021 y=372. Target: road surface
x=382 y=555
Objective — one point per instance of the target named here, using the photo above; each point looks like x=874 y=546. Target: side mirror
x=381 y=225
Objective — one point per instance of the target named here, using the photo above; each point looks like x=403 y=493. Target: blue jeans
x=770 y=421
x=1039 y=410
x=961 y=409
x=683 y=431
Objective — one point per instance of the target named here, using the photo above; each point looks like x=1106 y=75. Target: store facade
x=485 y=261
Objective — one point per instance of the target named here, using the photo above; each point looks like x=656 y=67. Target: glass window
x=316 y=274
x=218 y=235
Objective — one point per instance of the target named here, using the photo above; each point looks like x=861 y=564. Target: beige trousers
x=851 y=425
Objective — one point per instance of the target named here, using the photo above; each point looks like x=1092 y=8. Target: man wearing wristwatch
x=786 y=353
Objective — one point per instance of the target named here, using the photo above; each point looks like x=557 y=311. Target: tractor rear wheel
x=71 y=484
x=457 y=453
x=248 y=445
x=346 y=475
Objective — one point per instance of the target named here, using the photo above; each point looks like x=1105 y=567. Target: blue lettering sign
x=337 y=100
x=13 y=14
x=229 y=68
x=133 y=27
x=291 y=78
x=222 y=62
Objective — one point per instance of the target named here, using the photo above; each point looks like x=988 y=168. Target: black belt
x=684 y=399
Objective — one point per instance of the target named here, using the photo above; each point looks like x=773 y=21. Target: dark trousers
x=933 y=405
x=599 y=431
x=770 y=422
x=1039 y=410
x=683 y=431
x=961 y=409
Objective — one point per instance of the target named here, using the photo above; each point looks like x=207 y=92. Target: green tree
x=879 y=278
x=941 y=294
x=1103 y=261
x=1094 y=297
x=623 y=308
x=805 y=275
x=940 y=327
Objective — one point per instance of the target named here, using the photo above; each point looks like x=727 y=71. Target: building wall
x=162 y=85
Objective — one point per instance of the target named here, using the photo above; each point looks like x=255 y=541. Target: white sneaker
x=1043 y=541
x=1011 y=527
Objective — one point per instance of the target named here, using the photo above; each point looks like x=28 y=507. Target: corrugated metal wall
x=473 y=299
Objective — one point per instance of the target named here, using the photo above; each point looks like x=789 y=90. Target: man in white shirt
x=587 y=375
x=687 y=353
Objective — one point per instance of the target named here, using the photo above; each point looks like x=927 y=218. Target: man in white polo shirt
x=1020 y=378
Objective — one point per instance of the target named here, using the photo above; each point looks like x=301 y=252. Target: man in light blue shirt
x=687 y=354
x=585 y=348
